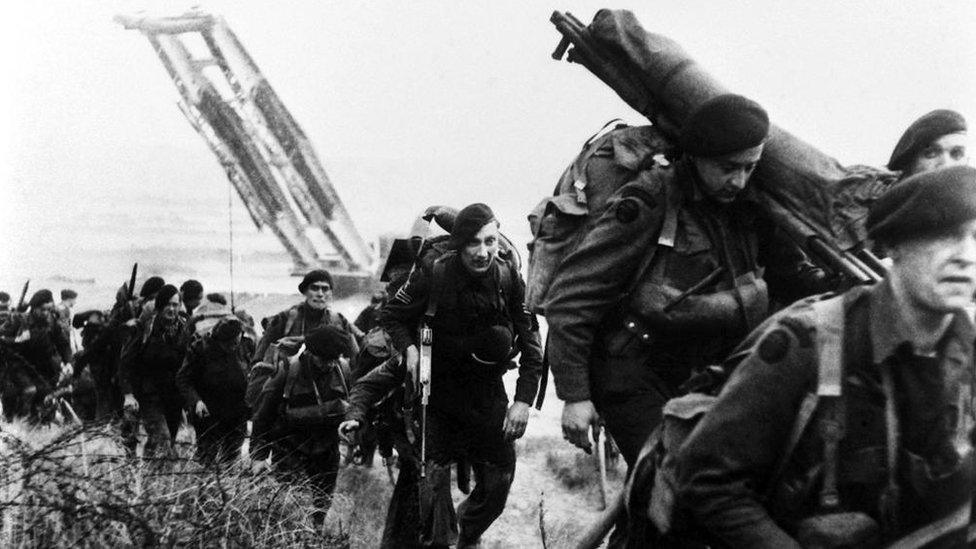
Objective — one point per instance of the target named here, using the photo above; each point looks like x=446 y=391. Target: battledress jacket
x=47 y=346
x=299 y=321
x=725 y=465
x=659 y=237
x=216 y=376
x=152 y=356
x=467 y=305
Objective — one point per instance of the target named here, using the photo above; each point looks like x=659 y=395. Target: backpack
x=323 y=406
x=285 y=347
x=651 y=489
x=559 y=222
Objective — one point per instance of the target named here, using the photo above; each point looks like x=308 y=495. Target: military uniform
x=726 y=464
x=306 y=450
x=31 y=368
x=147 y=370
x=218 y=378
x=468 y=403
x=299 y=321
x=617 y=333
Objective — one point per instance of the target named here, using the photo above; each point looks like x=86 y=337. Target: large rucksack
x=559 y=222
x=651 y=489
x=323 y=405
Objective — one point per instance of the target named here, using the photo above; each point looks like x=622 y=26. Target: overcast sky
x=414 y=103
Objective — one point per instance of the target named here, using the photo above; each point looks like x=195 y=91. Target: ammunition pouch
x=713 y=312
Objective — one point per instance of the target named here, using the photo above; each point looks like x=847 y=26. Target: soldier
x=39 y=338
x=4 y=307
x=147 y=374
x=212 y=382
x=301 y=319
x=473 y=302
x=666 y=282
x=298 y=410
x=191 y=292
x=889 y=448
x=147 y=297
x=64 y=309
x=36 y=354
x=935 y=140
x=366 y=320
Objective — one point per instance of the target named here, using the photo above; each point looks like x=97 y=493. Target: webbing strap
x=891 y=495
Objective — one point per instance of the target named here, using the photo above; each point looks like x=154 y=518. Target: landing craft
x=268 y=159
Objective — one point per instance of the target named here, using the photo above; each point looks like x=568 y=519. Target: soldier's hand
x=579 y=418
x=349 y=431
x=130 y=403
x=67 y=370
x=201 y=409
x=22 y=337
x=258 y=466
x=515 y=420
x=412 y=358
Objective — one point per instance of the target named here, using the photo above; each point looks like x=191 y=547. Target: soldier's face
x=318 y=295
x=948 y=150
x=481 y=249
x=172 y=307
x=938 y=273
x=44 y=312
x=724 y=177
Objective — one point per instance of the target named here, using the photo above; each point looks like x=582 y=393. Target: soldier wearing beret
x=299 y=320
x=147 y=374
x=666 y=282
x=935 y=140
x=888 y=452
x=212 y=382
x=44 y=347
x=298 y=411
x=479 y=322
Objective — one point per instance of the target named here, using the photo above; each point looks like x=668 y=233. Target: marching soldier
x=212 y=382
x=888 y=454
x=474 y=304
x=314 y=312
x=668 y=280
x=147 y=374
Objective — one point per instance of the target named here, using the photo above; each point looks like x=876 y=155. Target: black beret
x=328 y=342
x=91 y=316
x=4 y=296
x=41 y=297
x=444 y=216
x=922 y=132
x=227 y=328
x=68 y=294
x=318 y=275
x=925 y=204
x=151 y=286
x=217 y=298
x=468 y=222
x=191 y=288
x=724 y=124
x=492 y=345
x=164 y=295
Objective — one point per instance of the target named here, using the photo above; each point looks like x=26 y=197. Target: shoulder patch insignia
x=802 y=332
x=774 y=346
x=627 y=210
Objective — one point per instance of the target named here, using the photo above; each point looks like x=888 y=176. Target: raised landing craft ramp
x=266 y=155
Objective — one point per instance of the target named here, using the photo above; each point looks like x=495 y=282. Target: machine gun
x=818 y=203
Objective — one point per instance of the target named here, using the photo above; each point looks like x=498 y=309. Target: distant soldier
x=366 y=320
x=474 y=303
x=147 y=296
x=887 y=455
x=66 y=307
x=297 y=413
x=38 y=353
x=105 y=353
x=147 y=374
x=212 y=382
x=4 y=307
x=299 y=320
x=89 y=359
x=191 y=292
x=935 y=140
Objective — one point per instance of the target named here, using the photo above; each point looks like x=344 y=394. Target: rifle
x=423 y=379
x=130 y=290
x=23 y=297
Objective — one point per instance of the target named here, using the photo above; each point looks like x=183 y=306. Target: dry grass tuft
x=75 y=487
